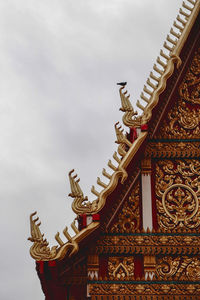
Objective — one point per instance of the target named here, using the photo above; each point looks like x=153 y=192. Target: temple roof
x=165 y=66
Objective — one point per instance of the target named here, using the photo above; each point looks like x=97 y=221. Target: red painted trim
x=84 y=220
x=96 y=217
x=52 y=263
x=41 y=266
x=144 y=127
x=103 y=267
x=138 y=266
x=133 y=134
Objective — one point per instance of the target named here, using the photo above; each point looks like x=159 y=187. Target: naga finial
x=124 y=143
x=129 y=118
x=39 y=249
x=121 y=138
x=79 y=204
x=75 y=187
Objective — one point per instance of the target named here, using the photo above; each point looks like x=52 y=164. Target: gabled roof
x=168 y=61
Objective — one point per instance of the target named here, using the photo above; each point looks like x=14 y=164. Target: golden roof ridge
x=169 y=56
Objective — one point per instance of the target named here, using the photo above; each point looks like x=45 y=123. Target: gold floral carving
x=179 y=268
x=177 y=190
x=190 y=87
x=121 y=268
x=145 y=289
x=184 y=118
x=172 y=149
x=129 y=217
x=149 y=244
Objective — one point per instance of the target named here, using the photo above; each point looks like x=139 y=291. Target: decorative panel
x=121 y=268
x=178 y=268
x=177 y=194
x=183 y=119
x=141 y=291
x=128 y=220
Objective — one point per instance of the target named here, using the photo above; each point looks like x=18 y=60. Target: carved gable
x=129 y=219
x=183 y=119
x=139 y=239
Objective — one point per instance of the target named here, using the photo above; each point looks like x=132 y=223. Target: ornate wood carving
x=177 y=190
x=173 y=149
x=129 y=217
x=183 y=119
x=150 y=244
x=144 y=289
x=121 y=268
x=178 y=268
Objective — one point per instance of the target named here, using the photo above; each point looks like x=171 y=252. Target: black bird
x=122 y=83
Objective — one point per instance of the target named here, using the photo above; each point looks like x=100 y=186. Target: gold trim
x=164 y=71
x=40 y=250
x=143 y=290
x=161 y=87
x=170 y=64
x=79 y=205
x=172 y=149
x=148 y=244
x=72 y=247
x=121 y=172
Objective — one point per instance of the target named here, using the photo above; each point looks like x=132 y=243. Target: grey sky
x=60 y=61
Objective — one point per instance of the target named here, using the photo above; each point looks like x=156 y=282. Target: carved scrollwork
x=183 y=120
x=149 y=244
x=167 y=267
x=129 y=217
x=178 y=268
x=172 y=149
x=121 y=268
x=180 y=203
x=193 y=269
x=190 y=87
x=177 y=190
x=142 y=290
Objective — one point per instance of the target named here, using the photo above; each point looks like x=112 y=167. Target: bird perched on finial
x=122 y=83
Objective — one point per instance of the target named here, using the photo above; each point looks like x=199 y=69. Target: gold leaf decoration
x=183 y=119
x=121 y=268
x=177 y=191
x=129 y=217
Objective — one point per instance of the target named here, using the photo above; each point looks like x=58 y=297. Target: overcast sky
x=59 y=64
